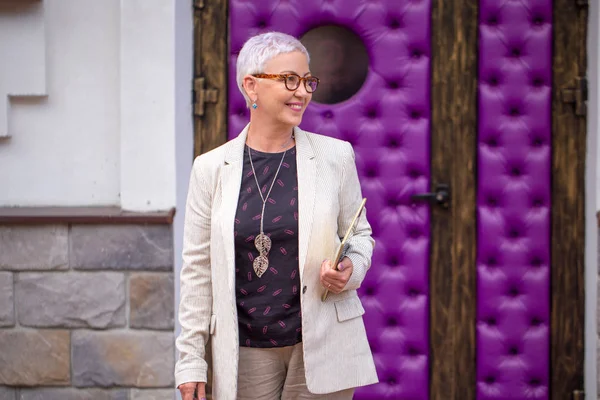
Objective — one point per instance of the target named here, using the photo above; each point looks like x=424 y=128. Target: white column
x=147 y=104
x=184 y=60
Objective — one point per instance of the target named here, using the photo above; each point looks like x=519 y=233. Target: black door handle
x=441 y=196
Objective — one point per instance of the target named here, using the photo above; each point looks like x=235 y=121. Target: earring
x=254 y=105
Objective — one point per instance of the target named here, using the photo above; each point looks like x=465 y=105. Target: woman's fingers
x=201 y=391
x=335 y=280
x=193 y=391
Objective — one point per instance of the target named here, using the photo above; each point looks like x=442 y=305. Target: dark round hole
x=514 y=171
x=515 y=52
x=537 y=82
x=413 y=292
x=415 y=114
x=513 y=351
x=416 y=53
x=339 y=57
x=391 y=381
x=414 y=234
x=328 y=114
x=537 y=142
x=536 y=262
x=493 y=20
x=492 y=142
x=370 y=291
x=534 y=382
x=393 y=85
x=391 y=321
x=394 y=23
x=494 y=81
x=491 y=321
x=492 y=262
x=514 y=111
x=538 y=203
x=513 y=292
x=538 y=20
x=371 y=113
x=513 y=233
x=536 y=321
x=413 y=173
x=492 y=202
x=489 y=380
x=262 y=24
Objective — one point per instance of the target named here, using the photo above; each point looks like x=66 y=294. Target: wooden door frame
x=211 y=50
x=569 y=136
x=453 y=270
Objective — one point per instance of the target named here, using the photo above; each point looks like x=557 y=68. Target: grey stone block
x=7 y=305
x=73 y=394
x=152 y=394
x=72 y=299
x=34 y=358
x=151 y=301
x=135 y=247
x=34 y=247
x=139 y=359
x=7 y=393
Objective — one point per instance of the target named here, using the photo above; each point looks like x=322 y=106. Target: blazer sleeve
x=195 y=305
x=361 y=244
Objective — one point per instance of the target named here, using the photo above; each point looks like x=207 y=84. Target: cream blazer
x=337 y=355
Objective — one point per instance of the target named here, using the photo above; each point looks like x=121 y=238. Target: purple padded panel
x=388 y=122
x=513 y=204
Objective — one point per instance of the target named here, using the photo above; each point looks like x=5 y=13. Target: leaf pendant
x=262 y=243
x=260 y=265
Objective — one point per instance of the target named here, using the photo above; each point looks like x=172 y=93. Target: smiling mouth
x=296 y=107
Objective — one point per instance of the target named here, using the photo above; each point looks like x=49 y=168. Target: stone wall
x=86 y=312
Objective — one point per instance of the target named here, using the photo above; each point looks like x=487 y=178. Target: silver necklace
x=262 y=242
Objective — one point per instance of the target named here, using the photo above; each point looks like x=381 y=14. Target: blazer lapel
x=307 y=177
x=231 y=180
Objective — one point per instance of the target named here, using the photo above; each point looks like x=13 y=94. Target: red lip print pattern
x=268 y=307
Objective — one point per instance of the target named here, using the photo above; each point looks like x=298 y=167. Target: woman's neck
x=269 y=139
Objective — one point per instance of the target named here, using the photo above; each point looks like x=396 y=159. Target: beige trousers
x=277 y=374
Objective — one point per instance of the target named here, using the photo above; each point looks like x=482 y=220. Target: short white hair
x=259 y=49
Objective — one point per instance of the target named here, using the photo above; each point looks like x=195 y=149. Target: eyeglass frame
x=285 y=76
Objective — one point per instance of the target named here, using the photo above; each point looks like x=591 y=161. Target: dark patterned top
x=268 y=307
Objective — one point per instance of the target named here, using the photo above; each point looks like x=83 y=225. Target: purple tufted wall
x=514 y=161
x=387 y=121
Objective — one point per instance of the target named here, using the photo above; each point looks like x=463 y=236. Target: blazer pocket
x=349 y=308
x=213 y=323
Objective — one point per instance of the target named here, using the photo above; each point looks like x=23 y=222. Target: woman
x=263 y=212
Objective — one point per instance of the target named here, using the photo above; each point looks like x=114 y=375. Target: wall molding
x=82 y=215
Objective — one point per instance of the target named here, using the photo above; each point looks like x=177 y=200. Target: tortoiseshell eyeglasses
x=292 y=81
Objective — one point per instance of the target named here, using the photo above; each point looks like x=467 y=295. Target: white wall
x=105 y=132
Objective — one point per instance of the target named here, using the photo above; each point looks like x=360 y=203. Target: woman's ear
x=249 y=85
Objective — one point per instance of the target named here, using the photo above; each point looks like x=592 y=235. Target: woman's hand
x=187 y=390
x=335 y=280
